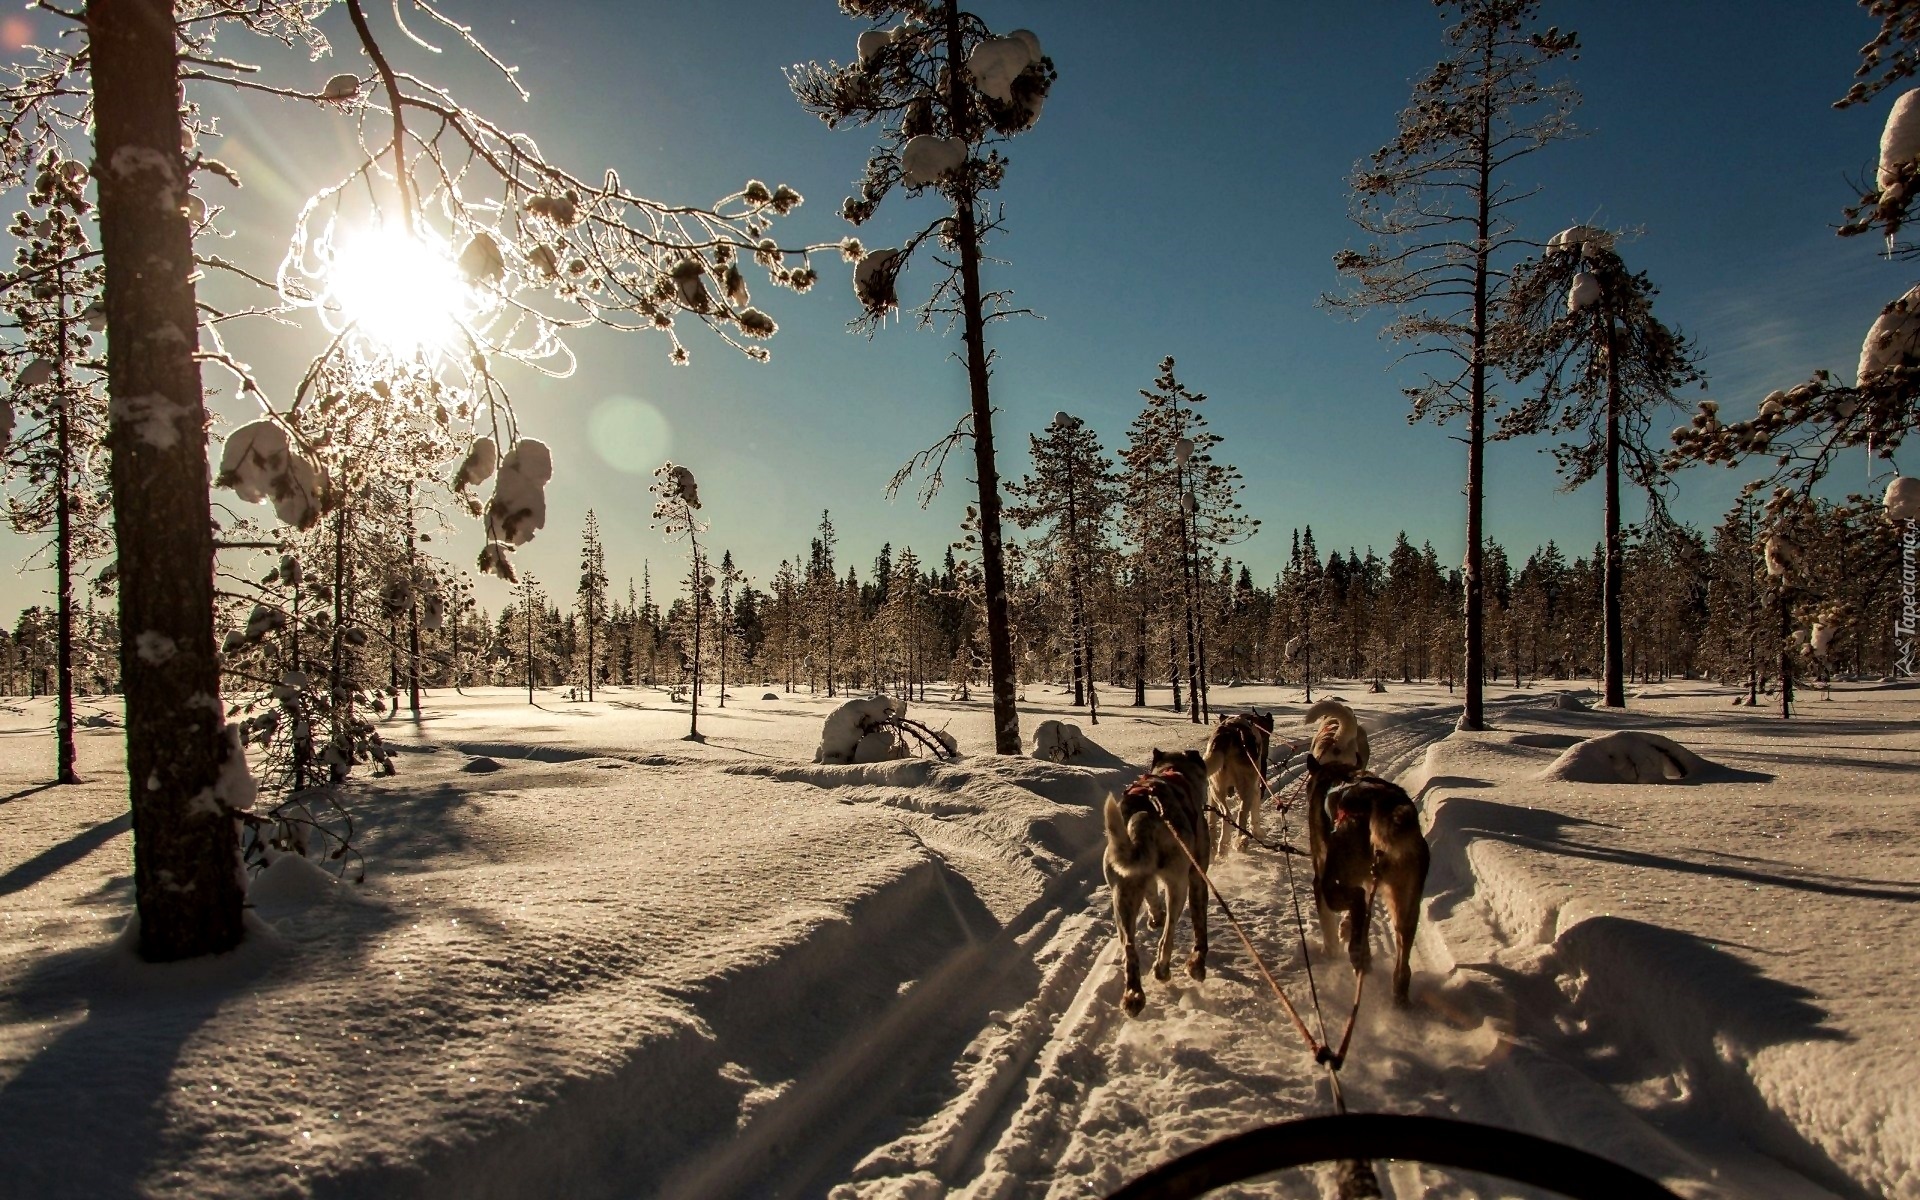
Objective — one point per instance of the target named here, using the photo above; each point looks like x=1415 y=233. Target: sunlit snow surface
x=623 y=964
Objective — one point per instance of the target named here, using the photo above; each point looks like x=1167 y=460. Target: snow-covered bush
x=861 y=731
x=1627 y=756
x=1058 y=741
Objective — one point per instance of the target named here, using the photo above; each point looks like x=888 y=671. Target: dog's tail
x=1334 y=710
x=1347 y=738
x=1126 y=836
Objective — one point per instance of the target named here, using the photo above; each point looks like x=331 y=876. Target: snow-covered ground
x=590 y=958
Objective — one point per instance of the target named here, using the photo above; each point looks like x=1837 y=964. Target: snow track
x=1099 y=1098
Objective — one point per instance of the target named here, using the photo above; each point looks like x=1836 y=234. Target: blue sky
x=1183 y=195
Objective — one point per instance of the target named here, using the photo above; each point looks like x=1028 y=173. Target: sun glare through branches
x=398 y=292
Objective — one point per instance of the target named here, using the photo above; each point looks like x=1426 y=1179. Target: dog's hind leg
x=1156 y=904
x=1403 y=905
x=1359 y=925
x=1217 y=829
x=1176 y=902
x=1126 y=906
x=1197 y=909
x=1249 y=813
x=1329 y=929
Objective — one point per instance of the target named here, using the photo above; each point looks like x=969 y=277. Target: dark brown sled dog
x=1144 y=862
x=1362 y=828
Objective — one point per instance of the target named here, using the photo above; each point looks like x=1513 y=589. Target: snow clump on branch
x=874 y=277
x=1900 y=140
x=928 y=159
x=1894 y=340
x=1583 y=292
x=1903 y=498
x=258 y=464
x=1580 y=239
x=519 y=506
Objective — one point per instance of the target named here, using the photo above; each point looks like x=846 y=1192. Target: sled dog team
x=1363 y=835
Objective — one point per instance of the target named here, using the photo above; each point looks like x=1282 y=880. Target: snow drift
x=1627 y=756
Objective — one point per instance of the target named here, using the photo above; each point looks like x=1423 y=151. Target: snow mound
x=481 y=766
x=1900 y=140
x=1058 y=741
x=1376 y=687
x=771 y=696
x=857 y=732
x=1627 y=756
x=291 y=881
x=1565 y=701
x=1903 y=498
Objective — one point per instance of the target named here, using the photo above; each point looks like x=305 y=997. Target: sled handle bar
x=1436 y=1141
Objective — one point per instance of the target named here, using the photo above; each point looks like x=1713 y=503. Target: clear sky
x=1183 y=195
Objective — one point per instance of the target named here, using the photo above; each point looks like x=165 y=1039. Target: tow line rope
x=1333 y=1060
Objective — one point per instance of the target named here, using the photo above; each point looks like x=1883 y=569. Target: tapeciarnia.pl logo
x=1906 y=630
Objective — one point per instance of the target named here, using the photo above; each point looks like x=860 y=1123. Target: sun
x=401 y=291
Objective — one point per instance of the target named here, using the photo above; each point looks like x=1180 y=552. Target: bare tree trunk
x=1614 y=687
x=1473 y=712
x=187 y=882
x=66 y=753
x=1140 y=659
x=1006 y=717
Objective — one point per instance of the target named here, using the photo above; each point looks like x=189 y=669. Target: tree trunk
x=1140 y=660
x=188 y=887
x=693 y=692
x=1473 y=713
x=1615 y=684
x=66 y=753
x=1006 y=717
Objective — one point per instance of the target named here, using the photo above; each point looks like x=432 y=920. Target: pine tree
x=1072 y=493
x=1175 y=489
x=591 y=596
x=54 y=305
x=676 y=498
x=1438 y=198
x=1583 y=324
x=944 y=91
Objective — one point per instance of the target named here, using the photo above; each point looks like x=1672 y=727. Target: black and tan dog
x=1236 y=761
x=1144 y=861
x=1364 y=832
